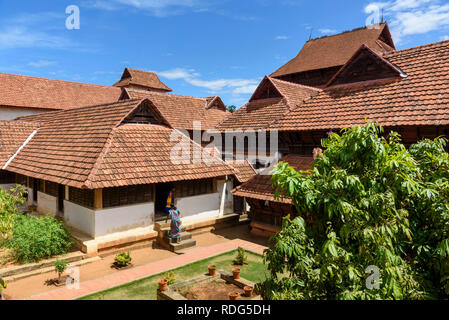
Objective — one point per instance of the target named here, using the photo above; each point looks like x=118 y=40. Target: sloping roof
x=183 y=111
x=260 y=113
x=422 y=98
x=142 y=79
x=244 y=170
x=333 y=51
x=92 y=147
x=40 y=93
x=260 y=187
x=13 y=134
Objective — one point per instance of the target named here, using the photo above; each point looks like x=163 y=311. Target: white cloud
x=23 y=37
x=327 y=31
x=234 y=86
x=41 y=63
x=159 y=8
x=444 y=38
x=281 y=38
x=410 y=17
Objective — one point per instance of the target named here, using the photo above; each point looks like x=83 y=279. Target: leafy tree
x=231 y=108
x=60 y=267
x=367 y=202
x=10 y=202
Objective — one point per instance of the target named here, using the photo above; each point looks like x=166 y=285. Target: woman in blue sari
x=175 y=226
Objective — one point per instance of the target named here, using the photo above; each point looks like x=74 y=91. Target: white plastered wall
x=97 y=223
x=12 y=113
x=47 y=204
x=7 y=186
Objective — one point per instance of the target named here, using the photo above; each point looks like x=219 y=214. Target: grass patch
x=145 y=289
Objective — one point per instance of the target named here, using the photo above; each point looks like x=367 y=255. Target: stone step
x=175 y=247
x=184 y=236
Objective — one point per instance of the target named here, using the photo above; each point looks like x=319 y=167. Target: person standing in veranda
x=174 y=216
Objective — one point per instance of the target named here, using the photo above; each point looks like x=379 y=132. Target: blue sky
x=198 y=47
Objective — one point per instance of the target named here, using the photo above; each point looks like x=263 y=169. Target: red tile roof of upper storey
x=142 y=78
x=260 y=113
x=422 y=98
x=335 y=50
x=32 y=92
x=260 y=187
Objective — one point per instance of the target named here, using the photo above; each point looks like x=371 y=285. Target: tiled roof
x=260 y=113
x=182 y=111
x=333 y=51
x=32 y=92
x=13 y=134
x=422 y=98
x=260 y=187
x=91 y=148
x=141 y=78
x=244 y=170
x=140 y=154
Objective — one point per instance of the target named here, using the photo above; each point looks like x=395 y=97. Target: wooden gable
x=146 y=113
x=266 y=90
x=365 y=65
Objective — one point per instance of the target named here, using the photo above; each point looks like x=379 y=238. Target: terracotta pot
x=163 y=284
x=248 y=291
x=236 y=273
x=212 y=270
x=234 y=296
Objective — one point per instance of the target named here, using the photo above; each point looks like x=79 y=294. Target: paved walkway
x=148 y=270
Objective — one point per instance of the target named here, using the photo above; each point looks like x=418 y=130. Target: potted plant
x=248 y=291
x=170 y=276
x=212 y=270
x=60 y=267
x=163 y=284
x=234 y=296
x=122 y=260
x=236 y=273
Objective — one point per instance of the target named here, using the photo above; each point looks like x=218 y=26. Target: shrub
x=60 y=266
x=34 y=239
x=123 y=259
x=240 y=258
x=10 y=202
x=170 y=276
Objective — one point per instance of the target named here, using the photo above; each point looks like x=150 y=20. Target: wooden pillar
x=67 y=193
x=98 y=199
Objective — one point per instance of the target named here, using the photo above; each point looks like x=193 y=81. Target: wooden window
x=82 y=197
x=7 y=177
x=122 y=196
x=51 y=188
x=194 y=188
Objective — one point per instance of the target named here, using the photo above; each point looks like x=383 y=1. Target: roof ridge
x=57 y=80
x=345 y=32
x=295 y=84
x=411 y=49
x=169 y=94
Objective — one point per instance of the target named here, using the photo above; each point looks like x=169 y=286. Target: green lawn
x=145 y=289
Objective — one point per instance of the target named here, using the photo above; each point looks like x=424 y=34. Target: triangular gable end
x=216 y=103
x=365 y=65
x=266 y=90
x=146 y=113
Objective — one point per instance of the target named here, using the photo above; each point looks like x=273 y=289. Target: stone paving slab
x=123 y=277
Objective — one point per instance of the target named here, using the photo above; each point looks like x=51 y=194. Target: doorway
x=162 y=190
x=35 y=189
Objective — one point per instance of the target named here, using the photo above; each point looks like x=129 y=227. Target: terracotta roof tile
x=182 y=111
x=260 y=186
x=422 y=98
x=91 y=148
x=12 y=136
x=333 y=51
x=143 y=79
x=244 y=170
x=32 y=92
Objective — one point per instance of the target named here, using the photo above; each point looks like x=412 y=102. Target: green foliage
x=34 y=239
x=123 y=259
x=231 y=109
x=170 y=276
x=60 y=267
x=10 y=202
x=240 y=258
x=367 y=202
